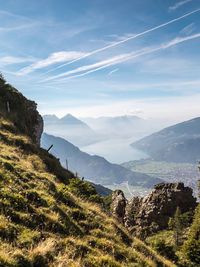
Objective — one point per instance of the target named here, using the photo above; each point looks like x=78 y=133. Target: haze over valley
x=109 y=137
x=170 y=154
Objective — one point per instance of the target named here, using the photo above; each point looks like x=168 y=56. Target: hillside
x=48 y=217
x=95 y=168
x=178 y=143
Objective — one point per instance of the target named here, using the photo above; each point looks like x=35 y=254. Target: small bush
x=84 y=190
x=164 y=249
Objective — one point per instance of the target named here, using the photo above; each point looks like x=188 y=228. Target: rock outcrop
x=21 y=111
x=119 y=203
x=38 y=123
x=152 y=212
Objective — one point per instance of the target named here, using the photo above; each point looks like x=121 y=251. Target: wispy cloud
x=15 y=22
x=9 y=60
x=87 y=69
x=113 y=71
x=179 y=4
x=124 y=40
x=54 y=58
x=13 y=15
x=17 y=28
x=188 y=29
x=98 y=65
x=118 y=37
x=168 y=85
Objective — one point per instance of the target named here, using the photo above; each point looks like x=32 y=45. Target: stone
x=118 y=204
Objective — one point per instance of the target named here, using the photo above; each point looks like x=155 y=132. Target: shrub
x=164 y=249
x=84 y=190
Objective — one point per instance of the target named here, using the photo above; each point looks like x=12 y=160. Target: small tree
x=177 y=225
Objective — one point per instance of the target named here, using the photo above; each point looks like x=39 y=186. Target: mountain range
x=70 y=128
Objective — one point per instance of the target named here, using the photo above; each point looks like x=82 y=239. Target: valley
x=168 y=171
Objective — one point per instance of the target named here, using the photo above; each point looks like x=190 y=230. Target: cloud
x=188 y=29
x=9 y=60
x=14 y=22
x=161 y=86
x=9 y=14
x=17 y=28
x=100 y=64
x=54 y=58
x=113 y=71
x=131 y=37
x=179 y=4
x=87 y=69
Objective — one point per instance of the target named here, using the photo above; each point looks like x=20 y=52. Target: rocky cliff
x=20 y=111
x=152 y=213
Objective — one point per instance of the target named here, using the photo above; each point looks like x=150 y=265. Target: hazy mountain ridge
x=67 y=119
x=178 y=143
x=70 y=128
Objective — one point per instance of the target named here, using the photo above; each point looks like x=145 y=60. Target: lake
x=116 y=150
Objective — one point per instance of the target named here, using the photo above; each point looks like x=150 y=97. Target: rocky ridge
x=152 y=213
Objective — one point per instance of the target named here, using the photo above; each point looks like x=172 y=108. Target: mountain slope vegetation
x=48 y=217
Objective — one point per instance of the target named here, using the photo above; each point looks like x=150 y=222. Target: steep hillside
x=178 y=143
x=95 y=168
x=50 y=218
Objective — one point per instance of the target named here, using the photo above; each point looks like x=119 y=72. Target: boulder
x=118 y=205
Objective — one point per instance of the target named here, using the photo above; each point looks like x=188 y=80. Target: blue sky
x=104 y=57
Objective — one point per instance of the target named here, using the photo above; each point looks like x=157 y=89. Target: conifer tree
x=177 y=225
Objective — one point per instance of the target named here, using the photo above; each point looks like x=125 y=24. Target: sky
x=96 y=58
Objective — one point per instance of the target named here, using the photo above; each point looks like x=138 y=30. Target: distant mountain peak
x=70 y=119
x=68 y=115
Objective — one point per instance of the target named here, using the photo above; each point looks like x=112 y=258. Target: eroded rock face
x=37 y=120
x=152 y=212
x=161 y=204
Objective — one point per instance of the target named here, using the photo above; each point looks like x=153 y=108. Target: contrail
x=125 y=40
x=122 y=58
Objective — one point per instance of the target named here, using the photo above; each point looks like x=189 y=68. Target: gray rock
x=118 y=205
x=152 y=213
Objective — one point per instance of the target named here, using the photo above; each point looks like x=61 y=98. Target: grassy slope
x=43 y=224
